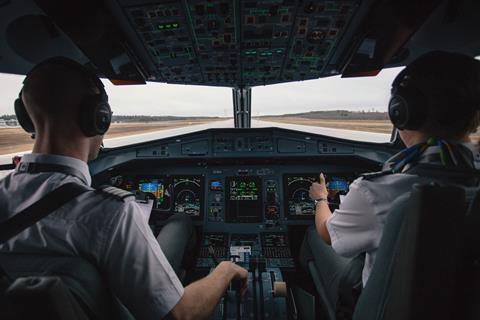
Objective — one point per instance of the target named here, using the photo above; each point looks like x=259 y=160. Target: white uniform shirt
x=111 y=232
x=357 y=225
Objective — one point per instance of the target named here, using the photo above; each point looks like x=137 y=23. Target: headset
x=95 y=113
x=408 y=106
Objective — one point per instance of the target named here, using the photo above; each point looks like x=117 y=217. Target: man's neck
x=63 y=147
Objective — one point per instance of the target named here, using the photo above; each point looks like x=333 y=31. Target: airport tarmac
x=161 y=134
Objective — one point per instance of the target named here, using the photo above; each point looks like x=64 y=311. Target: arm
x=139 y=274
x=201 y=297
x=322 y=211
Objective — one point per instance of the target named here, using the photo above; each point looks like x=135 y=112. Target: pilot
x=435 y=107
x=69 y=111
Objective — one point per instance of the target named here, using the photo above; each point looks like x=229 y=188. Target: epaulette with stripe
x=116 y=193
x=373 y=175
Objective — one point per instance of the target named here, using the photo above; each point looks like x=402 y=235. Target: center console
x=265 y=255
x=271 y=247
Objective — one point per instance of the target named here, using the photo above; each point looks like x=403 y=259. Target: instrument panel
x=296 y=187
x=188 y=195
x=261 y=195
x=223 y=179
x=243 y=199
x=182 y=194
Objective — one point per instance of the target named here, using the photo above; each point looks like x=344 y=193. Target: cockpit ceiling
x=226 y=43
x=231 y=43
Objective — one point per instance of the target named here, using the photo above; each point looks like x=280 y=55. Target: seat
x=427 y=263
x=462 y=177
x=78 y=275
x=43 y=297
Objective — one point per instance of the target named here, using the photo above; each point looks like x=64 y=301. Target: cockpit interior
x=246 y=189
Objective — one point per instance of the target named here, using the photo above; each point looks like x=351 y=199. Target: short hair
x=55 y=91
x=451 y=85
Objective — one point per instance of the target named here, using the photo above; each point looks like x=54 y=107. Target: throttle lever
x=211 y=253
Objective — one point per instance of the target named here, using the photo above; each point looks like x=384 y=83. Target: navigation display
x=188 y=195
x=243 y=199
x=158 y=190
x=297 y=199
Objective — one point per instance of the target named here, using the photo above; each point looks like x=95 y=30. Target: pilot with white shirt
x=435 y=106
x=66 y=107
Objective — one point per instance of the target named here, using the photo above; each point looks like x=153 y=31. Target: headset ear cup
x=407 y=108
x=103 y=118
x=397 y=111
x=95 y=116
x=87 y=118
x=22 y=115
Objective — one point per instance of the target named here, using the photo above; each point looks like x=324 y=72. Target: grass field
x=16 y=140
x=379 y=126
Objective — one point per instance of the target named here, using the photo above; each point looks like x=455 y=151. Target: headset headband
x=87 y=73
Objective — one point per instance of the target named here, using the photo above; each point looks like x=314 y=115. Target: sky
x=157 y=99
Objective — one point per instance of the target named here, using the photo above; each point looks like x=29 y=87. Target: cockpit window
x=350 y=108
x=140 y=113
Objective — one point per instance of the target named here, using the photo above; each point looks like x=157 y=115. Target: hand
x=318 y=190
x=240 y=276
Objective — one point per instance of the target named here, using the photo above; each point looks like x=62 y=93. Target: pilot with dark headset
x=434 y=104
x=66 y=107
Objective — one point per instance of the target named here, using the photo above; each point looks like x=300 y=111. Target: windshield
x=349 y=108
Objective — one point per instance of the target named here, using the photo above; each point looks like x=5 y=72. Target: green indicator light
x=175 y=25
x=160 y=26
x=168 y=26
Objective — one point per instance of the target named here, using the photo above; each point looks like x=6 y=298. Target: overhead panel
x=266 y=34
x=216 y=37
x=318 y=27
x=239 y=43
x=164 y=30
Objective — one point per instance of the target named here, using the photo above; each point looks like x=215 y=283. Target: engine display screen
x=158 y=190
x=243 y=199
x=297 y=199
x=188 y=195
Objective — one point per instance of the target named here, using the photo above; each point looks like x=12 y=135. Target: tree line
x=332 y=115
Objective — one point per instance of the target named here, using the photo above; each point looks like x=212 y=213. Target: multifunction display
x=243 y=199
x=296 y=192
x=183 y=194
x=158 y=190
x=188 y=193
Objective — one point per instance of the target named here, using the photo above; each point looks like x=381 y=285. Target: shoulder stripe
x=116 y=193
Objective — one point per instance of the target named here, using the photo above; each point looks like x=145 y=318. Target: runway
x=338 y=133
x=150 y=136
